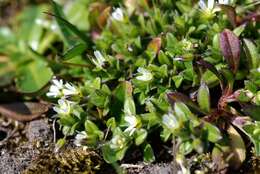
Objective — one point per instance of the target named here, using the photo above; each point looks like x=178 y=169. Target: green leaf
x=122 y=91
x=163 y=59
x=90 y=127
x=213 y=132
x=32 y=77
x=185 y=147
x=182 y=111
x=177 y=80
x=140 y=136
x=74 y=51
x=109 y=155
x=252 y=131
x=64 y=30
x=148 y=154
x=111 y=122
x=251 y=53
x=60 y=143
x=179 y=97
x=203 y=97
x=98 y=98
x=129 y=106
x=67 y=27
x=252 y=111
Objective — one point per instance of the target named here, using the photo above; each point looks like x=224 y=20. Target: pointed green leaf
x=253 y=134
x=74 y=51
x=203 y=97
x=148 y=154
x=140 y=136
x=213 y=132
x=251 y=53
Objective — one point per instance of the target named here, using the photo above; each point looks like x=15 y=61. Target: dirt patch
x=31 y=150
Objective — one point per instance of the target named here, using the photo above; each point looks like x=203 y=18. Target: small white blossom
x=207 y=7
x=170 y=121
x=80 y=138
x=55 y=89
x=118 y=14
x=100 y=60
x=58 y=89
x=117 y=142
x=64 y=107
x=225 y=2
x=145 y=75
x=210 y=7
x=132 y=122
x=70 y=89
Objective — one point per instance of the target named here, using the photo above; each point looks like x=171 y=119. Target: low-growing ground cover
x=138 y=80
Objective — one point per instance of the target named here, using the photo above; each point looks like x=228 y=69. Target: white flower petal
x=118 y=14
x=100 y=60
x=58 y=83
x=202 y=5
x=211 y=4
x=170 y=121
x=146 y=75
x=226 y=2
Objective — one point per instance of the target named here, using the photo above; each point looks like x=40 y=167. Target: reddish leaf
x=26 y=111
x=179 y=97
x=102 y=19
x=211 y=67
x=230 y=48
x=155 y=45
x=230 y=12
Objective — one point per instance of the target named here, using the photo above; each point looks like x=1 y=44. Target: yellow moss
x=76 y=161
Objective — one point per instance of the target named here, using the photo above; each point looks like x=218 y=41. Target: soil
x=29 y=148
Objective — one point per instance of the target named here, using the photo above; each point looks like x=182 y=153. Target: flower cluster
x=60 y=90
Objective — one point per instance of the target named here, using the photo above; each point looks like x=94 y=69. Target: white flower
x=80 y=138
x=146 y=75
x=226 y=2
x=118 y=14
x=210 y=7
x=100 y=60
x=70 y=89
x=58 y=89
x=132 y=122
x=55 y=89
x=64 y=107
x=170 y=121
x=117 y=142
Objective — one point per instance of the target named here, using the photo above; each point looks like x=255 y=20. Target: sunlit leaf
x=203 y=97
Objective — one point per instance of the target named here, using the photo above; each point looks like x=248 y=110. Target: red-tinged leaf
x=230 y=48
x=179 y=97
x=155 y=45
x=251 y=17
x=211 y=67
x=230 y=12
x=26 y=111
x=102 y=19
